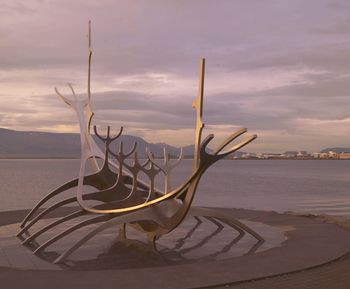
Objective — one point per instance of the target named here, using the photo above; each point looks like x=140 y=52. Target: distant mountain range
x=26 y=144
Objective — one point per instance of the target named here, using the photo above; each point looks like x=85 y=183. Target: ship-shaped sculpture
x=122 y=198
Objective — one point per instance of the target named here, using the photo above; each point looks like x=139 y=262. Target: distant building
x=333 y=155
x=344 y=156
x=289 y=154
x=316 y=155
x=272 y=156
x=323 y=155
x=248 y=156
x=302 y=154
x=260 y=156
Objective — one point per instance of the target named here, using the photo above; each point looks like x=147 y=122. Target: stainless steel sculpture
x=120 y=197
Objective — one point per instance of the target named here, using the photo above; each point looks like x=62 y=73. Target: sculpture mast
x=89 y=112
x=89 y=62
x=198 y=106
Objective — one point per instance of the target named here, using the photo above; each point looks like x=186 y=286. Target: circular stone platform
x=200 y=253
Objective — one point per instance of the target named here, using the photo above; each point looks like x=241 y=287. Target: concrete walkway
x=316 y=250
x=335 y=275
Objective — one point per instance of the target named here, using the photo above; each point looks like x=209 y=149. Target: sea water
x=307 y=186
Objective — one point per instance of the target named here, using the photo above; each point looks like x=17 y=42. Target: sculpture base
x=199 y=253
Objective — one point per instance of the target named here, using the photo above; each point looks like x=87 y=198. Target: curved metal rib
x=45 y=212
x=135 y=169
x=114 y=221
x=72 y=90
x=53 y=224
x=167 y=165
x=231 y=138
x=238 y=146
x=66 y=100
x=64 y=187
x=108 y=139
x=90 y=196
x=104 y=174
x=99 y=180
x=121 y=156
x=72 y=229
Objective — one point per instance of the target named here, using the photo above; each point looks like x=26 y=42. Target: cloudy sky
x=281 y=68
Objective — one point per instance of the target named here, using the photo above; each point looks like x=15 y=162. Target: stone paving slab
x=196 y=240
x=311 y=242
x=333 y=275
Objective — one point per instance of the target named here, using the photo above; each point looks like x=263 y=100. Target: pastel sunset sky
x=281 y=68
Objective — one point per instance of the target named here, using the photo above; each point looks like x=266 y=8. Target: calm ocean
x=281 y=185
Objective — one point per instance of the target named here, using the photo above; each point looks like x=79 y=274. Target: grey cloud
x=324 y=98
x=134 y=37
x=10 y=108
x=138 y=36
x=15 y=7
x=249 y=109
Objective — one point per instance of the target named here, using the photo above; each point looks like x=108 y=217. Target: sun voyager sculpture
x=122 y=198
